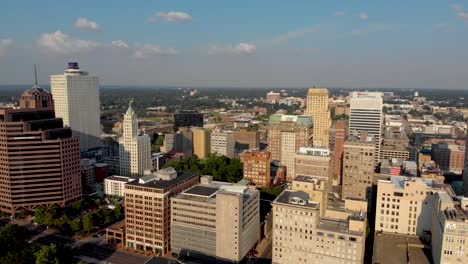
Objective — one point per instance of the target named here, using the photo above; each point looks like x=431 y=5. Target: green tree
x=39 y=215
x=88 y=222
x=62 y=222
x=48 y=255
x=118 y=211
x=160 y=140
x=14 y=245
x=76 y=225
x=52 y=213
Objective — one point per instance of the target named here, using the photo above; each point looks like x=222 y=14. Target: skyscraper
x=367 y=116
x=76 y=100
x=223 y=143
x=465 y=173
x=187 y=119
x=339 y=137
x=134 y=149
x=286 y=134
x=40 y=159
x=317 y=107
x=358 y=167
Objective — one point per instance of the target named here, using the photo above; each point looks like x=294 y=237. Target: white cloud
x=363 y=16
x=59 y=42
x=339 y=13
x=172 y=17
x=458 y=9
x=5 y=45
x=147 y=50
x=294 y=34
x=241 y=48
x=85 y=24
x=119 y=44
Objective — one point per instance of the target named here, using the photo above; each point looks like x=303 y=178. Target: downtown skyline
x=359 y=44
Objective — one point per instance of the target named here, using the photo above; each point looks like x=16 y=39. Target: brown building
x=358 y=167
x=314 y=162
x=450 y=157
x=339 y=135
x=40 y=160
x=257 y=167
x=148 y=208
x=246 y=139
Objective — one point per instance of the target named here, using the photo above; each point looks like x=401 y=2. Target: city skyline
x=322 y=43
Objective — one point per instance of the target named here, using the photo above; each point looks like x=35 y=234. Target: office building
x=404 y=205
x=307 y=228
x=134 y=149
x=76 y=100
x=114 y=185
x=311 y=161
x=395 y=152
x=183 y=141
x=215 y=220
x=367 y=116
x=257 y=167
x=449 y=228
x=40 y=164
x=273 y=98
x=168 y=144
x=187 y=119
x=201 y=142
x=339 y=136
x=465 y=173
x=450 y=157
x=358 y=167
x=223 y=143
x=317 y=107
x=148 y=208
x=246 y=139
x=286 y=134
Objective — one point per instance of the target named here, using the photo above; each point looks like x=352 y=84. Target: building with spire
x=40 y=159
x=317 y=107
x=76 y=100
x=134 y=148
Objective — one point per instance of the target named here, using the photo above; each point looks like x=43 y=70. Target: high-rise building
x=40 y=159
x=450 y=157
x=358 y=167
x=76 y=100
x=317 y=162
x=307 y=228
x=246 y=139
x=273 y=98
x=183 y=141
x=223 y=143
x=134 y=149
x=215 y=220
x=286 y=134
x=465 y=173
x=339 y=136
x=317 y=107
x=449 y=228
x=367 y=116
x=187 y=119
x=404 y=205
x=201 y=142
x=148 y=208
x=257 y=167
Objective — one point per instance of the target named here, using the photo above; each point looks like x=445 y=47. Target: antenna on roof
x=35 y=75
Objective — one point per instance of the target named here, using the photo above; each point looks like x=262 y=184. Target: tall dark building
x=39 y=158
x=187 y=119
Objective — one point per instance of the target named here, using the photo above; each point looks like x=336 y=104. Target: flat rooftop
x=285 y=198
x=336 y=225
x=393 y=248
x=119 y=178
x=207 y=192
x=165 y=184
x=201 y=190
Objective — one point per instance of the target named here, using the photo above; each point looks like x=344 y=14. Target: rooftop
x=159 y=183
x=336 y=225
x=119 y=178
x=293 y=198
x=393 y=248
x=207 y=192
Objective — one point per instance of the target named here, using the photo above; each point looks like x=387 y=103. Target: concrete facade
x=223 y=143
x=317 y=107
x=310 y=161
x=201 y=142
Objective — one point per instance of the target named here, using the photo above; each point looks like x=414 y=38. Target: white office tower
x=223 y=143
x=134 y=149
x=76 y=101
x=367 y=116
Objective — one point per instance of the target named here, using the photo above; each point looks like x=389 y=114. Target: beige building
x=307 y=228
x=201 y=142
x=215 y=220
x=246 y=139
x=358 y=167
x=148 y=208
x=223 y=143
x=310 y=161
x=449 y=228
x=317 y=107
x=286 y=134
x=114 y=185
x=404 y=205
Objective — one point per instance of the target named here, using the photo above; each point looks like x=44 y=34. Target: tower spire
x=35 y=75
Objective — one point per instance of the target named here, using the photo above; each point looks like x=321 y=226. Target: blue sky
x=274 y=43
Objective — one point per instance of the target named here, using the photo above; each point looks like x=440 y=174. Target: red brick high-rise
x=39 y=158
x=339 y=138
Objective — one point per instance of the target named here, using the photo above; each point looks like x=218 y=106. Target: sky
x=243 y=43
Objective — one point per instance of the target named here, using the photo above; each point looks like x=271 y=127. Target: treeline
x=221 y=168
x=16 y=248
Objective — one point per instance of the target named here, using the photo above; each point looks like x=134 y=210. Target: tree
x=118 y=211
x=14 y=245
x=48 y=255
x=39 y=215
x=88 y=222
x=52 y=213
x=76 y=225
